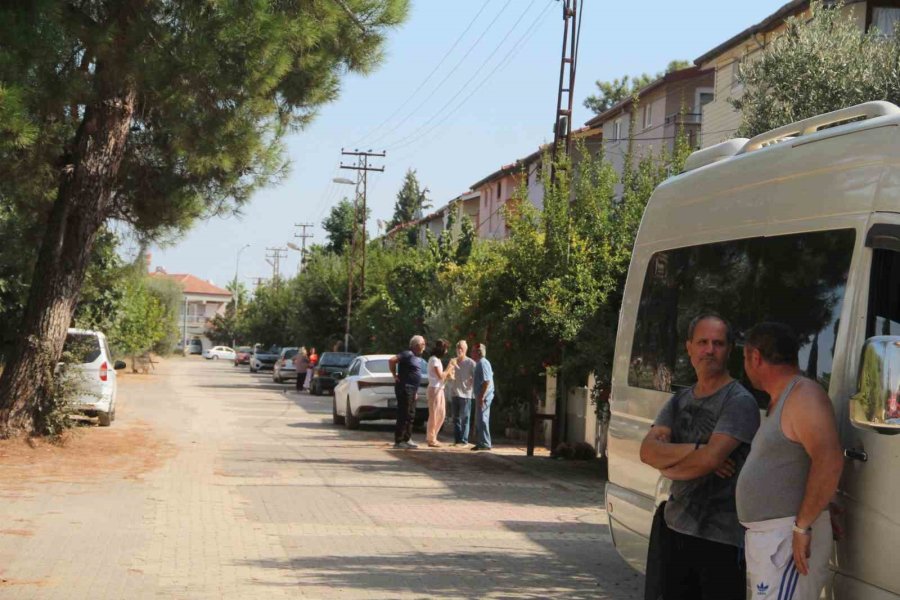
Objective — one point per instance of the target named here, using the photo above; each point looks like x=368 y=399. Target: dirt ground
x=83 y=453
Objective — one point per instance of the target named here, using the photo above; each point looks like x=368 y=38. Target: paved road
x=215 y=483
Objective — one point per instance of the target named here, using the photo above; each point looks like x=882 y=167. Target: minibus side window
x=884 y=294
x=797 y=279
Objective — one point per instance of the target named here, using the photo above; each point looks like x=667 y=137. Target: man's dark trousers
x=699 y=569
x=406 y=411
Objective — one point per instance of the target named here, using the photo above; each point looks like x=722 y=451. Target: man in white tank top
x=791 y=474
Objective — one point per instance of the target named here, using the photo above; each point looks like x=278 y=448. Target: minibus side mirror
x=876 y=405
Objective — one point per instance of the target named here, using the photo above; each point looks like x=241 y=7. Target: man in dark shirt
x=406 y=368
x=700 y=438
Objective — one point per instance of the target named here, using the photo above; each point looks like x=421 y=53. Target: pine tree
x=154 y=113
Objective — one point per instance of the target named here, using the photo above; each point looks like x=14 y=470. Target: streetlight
x=294 y=246
x=237 y=262
x=237 y=291
x=346 y=181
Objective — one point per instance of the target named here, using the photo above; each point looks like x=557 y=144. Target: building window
x=703 y=96
x=499 y=194
x=648 y=115
x=882 y=16
x=617 y=129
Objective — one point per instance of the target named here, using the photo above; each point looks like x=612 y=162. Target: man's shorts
x=769 y=553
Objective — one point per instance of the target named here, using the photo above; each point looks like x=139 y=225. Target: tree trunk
x=80 y=209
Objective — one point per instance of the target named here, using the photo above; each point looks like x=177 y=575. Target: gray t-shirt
x=461 y=384
x=705 y=507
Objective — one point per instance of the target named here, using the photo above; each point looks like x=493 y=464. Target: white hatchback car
x=88 y=362
x=366 y=393
x=217 y=352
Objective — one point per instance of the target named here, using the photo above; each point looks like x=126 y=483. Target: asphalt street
x=215 y=483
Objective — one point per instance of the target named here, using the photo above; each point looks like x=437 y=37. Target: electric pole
x=303 y=237
x=565 y=97
x=274 y=257
x=562 y=146
x=357 y=254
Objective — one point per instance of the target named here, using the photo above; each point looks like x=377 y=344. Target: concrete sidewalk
x=215 y=483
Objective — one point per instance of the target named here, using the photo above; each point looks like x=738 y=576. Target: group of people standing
x=468 y=380
x=305 y=362
x=749 y=496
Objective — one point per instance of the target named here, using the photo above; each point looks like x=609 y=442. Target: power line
x=477 y=71
x=424 y=128
x=430 y=75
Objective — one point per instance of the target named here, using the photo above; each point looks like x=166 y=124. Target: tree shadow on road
x=573 y=566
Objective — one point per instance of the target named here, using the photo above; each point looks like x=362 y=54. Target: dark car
x=263 y=360
x=242 y=355
x=323 y=375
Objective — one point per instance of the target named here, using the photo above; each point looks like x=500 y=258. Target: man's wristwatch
x=801 y=530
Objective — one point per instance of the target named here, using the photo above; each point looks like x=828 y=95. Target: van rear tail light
x=104 y=371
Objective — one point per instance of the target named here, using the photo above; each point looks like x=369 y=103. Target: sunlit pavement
x=256 y=494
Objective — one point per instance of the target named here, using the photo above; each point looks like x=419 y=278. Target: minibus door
x=866 y=556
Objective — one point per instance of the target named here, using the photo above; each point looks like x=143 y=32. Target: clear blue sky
x=489 y=102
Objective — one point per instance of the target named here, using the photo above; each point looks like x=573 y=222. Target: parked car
x=263 y=360
x=195 y=347
x=366 y=393
x=242 y=355
x=86 y=365
x=217 y=352
x=284 y=366
x=329 y=364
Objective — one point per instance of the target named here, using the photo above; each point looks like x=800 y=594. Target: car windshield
x=377 y=366
x=336 y=359
x=245 y=349
x=81 y=347
x=289 y=352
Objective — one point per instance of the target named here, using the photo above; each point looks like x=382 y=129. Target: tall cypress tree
x=412 y=199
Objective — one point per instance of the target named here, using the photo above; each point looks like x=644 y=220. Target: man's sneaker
x=411 y=444
x=399 y=445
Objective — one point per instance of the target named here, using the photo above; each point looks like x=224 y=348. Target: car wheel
x=352 y=422
x=315 y=390
x=104 y=419
x=215 y=357
x=335 y=417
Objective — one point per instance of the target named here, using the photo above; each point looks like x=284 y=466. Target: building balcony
x=683 y=119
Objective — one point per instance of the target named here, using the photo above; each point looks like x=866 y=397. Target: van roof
x=810 y=169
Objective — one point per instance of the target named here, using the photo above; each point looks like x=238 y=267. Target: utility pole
x=565 y=97
x=273 y=257
x=303 y=237
x=562 y=146
x=357 y=254
x=257 y=282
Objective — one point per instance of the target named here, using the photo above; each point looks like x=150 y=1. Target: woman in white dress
x=437 y=378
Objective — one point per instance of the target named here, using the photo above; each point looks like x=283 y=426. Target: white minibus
x=799 y=225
